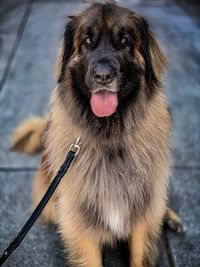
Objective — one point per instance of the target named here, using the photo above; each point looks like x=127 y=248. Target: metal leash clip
x=75 y=147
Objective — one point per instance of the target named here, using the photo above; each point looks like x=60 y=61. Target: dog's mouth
x=104 y=102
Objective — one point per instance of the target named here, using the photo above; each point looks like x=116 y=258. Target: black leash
x=74 y=150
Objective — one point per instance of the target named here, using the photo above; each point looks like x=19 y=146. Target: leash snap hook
x=75 y=147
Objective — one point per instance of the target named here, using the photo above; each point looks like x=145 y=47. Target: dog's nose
x=103 y=73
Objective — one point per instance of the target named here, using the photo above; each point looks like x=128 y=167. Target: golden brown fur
x=28 y=136
x=41 y=183
x=117 y=187
x=71 y=223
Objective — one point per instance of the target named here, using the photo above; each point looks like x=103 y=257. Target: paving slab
x=11 y=16
x=183 y=91
x=184 y=100
x=167 y=18
x=41 y=247
x=185 y=199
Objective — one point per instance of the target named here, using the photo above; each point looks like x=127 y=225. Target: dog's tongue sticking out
x=104 y=103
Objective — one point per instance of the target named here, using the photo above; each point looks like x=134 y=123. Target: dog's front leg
x=143 y=246
x=145 y=234
x=82 y=249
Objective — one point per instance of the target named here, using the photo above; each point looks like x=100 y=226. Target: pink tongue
x=103 y=103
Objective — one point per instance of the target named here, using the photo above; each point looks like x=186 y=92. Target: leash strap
x=74 y=150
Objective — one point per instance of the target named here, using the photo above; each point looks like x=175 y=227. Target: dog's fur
x=117 y=187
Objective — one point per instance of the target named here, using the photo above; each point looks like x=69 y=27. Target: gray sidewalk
x=30 y=34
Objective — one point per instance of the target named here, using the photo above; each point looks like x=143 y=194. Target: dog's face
x=109 y=60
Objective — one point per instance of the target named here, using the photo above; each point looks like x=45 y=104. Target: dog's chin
x=104 y=102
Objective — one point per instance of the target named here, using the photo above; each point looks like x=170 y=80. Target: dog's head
x=109 y=59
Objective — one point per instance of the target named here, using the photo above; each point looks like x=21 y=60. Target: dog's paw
x=176 y=226
x=27 y=136
x=174 y=222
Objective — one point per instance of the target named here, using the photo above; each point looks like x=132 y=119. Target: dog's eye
x=87 y=41
x=124 y=41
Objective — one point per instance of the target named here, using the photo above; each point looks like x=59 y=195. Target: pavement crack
x=18 y=169
x=185 y=167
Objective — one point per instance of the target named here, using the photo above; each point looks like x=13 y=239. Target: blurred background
x=30 y=35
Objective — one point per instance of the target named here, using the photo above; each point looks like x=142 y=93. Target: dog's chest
x=113 y=193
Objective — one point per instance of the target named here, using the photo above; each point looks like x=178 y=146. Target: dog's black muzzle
x=104 y=71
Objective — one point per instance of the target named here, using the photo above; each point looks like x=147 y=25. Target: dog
x=110 y=94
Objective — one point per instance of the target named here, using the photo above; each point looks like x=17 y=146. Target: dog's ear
x=66 y=50
x=155 y=61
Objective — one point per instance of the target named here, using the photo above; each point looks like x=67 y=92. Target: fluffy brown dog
x=109 y=94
